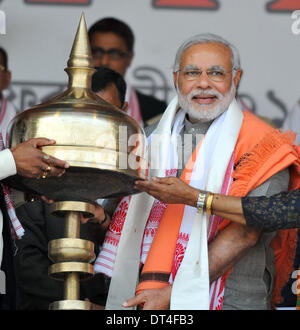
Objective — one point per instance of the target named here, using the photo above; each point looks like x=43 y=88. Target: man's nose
x=203 y=81
x=105 y=60
x=101 y=61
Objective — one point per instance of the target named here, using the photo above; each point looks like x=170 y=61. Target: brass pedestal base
x=71 y=255
x=71 y=305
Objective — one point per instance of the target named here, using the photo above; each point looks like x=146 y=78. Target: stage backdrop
x=39 y=35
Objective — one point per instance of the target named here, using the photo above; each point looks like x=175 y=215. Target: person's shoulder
x=255 y=127
x=252 y=119
x=252 y=132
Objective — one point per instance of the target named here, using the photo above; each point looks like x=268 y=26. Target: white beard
x=205 y=113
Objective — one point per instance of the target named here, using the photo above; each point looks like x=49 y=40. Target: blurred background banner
x=39 y=35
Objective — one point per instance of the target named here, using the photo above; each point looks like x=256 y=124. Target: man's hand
x=99 y=216
x=169 y=190
x=33 y=163
x=154 y=299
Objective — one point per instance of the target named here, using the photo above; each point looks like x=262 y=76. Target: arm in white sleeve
x=7 y=164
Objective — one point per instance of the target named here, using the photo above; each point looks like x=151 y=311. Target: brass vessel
x=103 y=145
x=105 y=149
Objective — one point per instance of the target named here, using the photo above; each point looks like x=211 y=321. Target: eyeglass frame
x=213 y=68
x=108 y=52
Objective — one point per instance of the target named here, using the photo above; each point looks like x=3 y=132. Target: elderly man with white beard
x=164 y=249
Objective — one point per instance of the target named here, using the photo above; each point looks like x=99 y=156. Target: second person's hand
x=169 y=190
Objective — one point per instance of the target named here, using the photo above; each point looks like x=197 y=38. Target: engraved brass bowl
x=90 y=137
x=103 y=145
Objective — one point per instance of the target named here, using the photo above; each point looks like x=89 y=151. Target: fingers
x=139 y=299
x=99 y=212
x=98 y=217
x=168 y=180
x=156 y=185
x=48 y=171
x=53 y=166
x=151 y=188
x=83 y=220
x=152 y=299
x=156 y=180
x=54 y=171
x=47 y=200
x=33 y=163
x=142 y=185
x=54 y=162
x=41 y=142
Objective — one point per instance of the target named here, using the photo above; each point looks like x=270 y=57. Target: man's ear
x=237 y=77
x=175 y=79
x=125 y=106
x=130 y=58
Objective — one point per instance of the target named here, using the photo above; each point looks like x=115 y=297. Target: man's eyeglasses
x=217 y=75
x=112 y=53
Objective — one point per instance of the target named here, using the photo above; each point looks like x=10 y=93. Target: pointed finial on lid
x=80 y=64
x=81 y=55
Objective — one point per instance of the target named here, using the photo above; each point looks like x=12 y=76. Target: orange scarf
x=156 y=271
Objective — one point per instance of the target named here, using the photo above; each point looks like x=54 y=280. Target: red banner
x=283 y=5
x=200 y=4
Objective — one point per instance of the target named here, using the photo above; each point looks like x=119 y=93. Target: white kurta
x=8 y=168
x=6 y=115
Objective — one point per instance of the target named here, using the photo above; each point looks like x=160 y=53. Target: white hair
x=204 y=39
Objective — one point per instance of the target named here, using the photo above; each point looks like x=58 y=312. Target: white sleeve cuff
x=7 y=164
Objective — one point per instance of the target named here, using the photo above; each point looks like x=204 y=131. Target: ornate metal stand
x=87 y=131
x=71 y=255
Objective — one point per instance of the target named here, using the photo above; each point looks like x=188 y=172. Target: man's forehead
x=214 y=52
x=108 y=40
x=195 y=67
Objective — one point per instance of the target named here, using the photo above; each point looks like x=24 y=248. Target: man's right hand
x=31 y=162
x=169 y=190
x=154 y=299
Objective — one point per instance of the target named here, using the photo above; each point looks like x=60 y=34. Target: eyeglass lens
x=113 y=53
x=214 y=75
